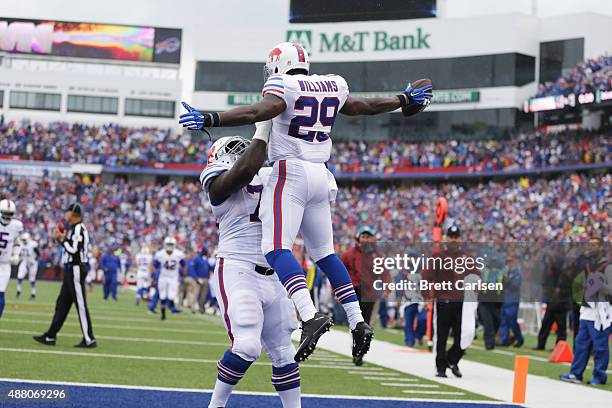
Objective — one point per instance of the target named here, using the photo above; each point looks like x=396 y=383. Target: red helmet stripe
x=300 y=51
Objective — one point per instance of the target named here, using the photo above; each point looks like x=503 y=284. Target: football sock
x=1 y=303
x=33 y=291
x=353 y=313
x=230 y=370
x=293 y=279
x=286 y=380
x=342 y=285
x=18 y=286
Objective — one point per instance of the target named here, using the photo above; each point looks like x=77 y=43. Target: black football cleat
x=312 y=330
x=455 y=370
x=441 y=373
x=84 y=344
x=163 y=314
x=43 y=339
x=362 y=337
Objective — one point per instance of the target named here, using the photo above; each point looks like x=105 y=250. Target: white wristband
x=262 y=131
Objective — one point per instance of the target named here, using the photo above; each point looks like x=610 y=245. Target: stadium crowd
x=587 y=76
x=525 y=151
x=567 y=208
x=114 y=145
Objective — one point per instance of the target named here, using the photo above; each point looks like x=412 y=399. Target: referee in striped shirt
x=75 y=245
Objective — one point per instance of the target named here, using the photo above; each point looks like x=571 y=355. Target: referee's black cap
x=74 y=208
x=453 y=232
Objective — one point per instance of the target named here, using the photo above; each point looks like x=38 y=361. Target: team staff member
x=75 y=245
x=111 y=264
x=354 y=260
x=448 y=307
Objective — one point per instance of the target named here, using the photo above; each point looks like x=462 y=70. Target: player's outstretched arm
x=245 y=168
x=355 y=106
x=269 y=107
x=414 y=99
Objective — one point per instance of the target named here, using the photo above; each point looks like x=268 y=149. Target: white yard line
x=133 y=339
x=386 y=377
x=436 y=393
x=386 y=384
x=98 y=316
x=159 y=328
x=136 y=357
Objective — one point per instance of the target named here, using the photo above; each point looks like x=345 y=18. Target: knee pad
x=282 y=355
x=283 y=351
x=247 y=347
x=245 y=315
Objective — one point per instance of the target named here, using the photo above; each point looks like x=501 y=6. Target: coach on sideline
x=75 y=246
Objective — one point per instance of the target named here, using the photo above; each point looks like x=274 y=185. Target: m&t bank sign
x=359 y=41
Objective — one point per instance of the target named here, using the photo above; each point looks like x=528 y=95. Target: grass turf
x=504 y=356
x=136 y=348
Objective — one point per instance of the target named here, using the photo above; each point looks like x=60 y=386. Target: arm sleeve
x=72 y=245
x=275 y=85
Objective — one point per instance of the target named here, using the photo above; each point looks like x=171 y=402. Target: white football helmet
x=25 y=237
x=7 y=211
x=285 y=57
x=169 y=244
x=227 y=150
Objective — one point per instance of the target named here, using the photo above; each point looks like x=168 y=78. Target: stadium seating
x=570 y=207
x=113 y=145
x=587 y=76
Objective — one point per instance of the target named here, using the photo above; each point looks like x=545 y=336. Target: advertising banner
x=90 y=40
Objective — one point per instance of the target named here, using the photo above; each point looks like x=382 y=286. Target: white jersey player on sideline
x=144 y=260
x=28 y=265
x=92 y=273
x=254 y=304
x=10 y=245
x=170 y=262
x=299 y=192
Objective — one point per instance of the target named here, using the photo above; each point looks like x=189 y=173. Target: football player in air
x=298 y=194
x=143 y=272
x=10 y=244
x=170 y=262
x=28 y=265
x=254 y=304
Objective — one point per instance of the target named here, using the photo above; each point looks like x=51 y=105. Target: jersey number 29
x=318 y=113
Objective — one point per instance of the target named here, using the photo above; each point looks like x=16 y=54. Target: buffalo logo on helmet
x=274 y=55
x=211 y=154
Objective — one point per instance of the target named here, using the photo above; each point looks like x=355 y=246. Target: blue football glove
x=421 y=96
x=193 y=119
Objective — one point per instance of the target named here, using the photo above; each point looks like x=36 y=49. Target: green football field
x=136 y=348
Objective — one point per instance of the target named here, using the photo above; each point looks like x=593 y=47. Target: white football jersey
x=9 y=235
x=303 y=130
x=143 y=263
x=170 y=263
x=238 y=217
x=28 y=250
